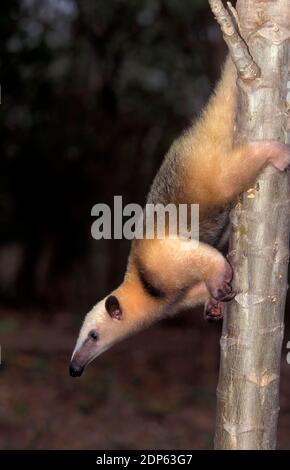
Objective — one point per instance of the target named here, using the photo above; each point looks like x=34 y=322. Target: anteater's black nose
x=75 y=370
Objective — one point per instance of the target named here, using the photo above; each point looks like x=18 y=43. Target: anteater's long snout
x=84 y=354
x=75 y=370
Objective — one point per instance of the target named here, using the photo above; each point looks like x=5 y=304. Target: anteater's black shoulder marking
x=148 y=286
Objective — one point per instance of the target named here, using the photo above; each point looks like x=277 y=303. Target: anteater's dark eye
x=93 y=334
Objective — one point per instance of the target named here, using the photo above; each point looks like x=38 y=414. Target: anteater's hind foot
x=214 y=310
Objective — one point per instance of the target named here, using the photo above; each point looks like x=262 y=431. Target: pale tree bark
x=248 y=389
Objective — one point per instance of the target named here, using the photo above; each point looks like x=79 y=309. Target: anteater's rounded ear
x=113 y=307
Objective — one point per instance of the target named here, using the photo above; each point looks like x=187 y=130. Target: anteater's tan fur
x=203 y=166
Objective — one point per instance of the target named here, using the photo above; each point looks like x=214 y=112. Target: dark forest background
x=92 y=94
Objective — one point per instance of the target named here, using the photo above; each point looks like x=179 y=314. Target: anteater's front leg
x=175 y=266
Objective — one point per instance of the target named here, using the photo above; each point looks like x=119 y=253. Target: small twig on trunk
x=246 y=67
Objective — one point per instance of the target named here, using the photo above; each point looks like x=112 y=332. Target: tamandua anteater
x=163 y=276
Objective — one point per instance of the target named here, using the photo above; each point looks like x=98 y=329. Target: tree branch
x=248 y=389
x=246 y=67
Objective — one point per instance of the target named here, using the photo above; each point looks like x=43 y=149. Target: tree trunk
x=248 y=389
